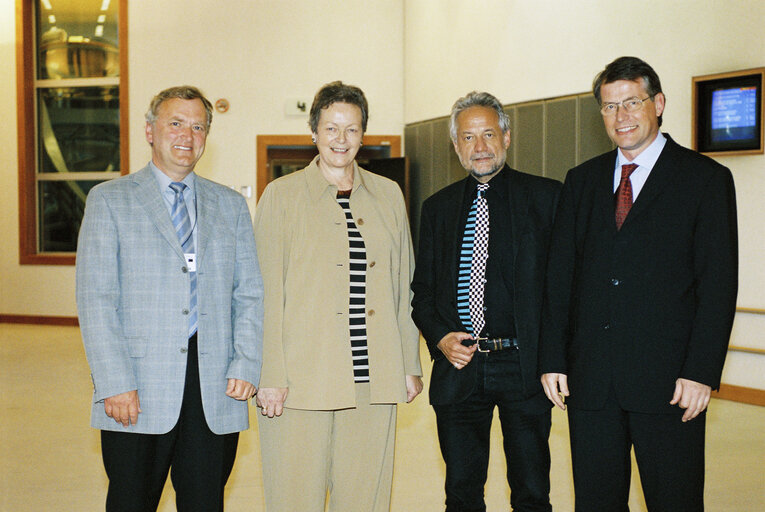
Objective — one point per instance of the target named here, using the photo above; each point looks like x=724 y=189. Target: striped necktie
x=182 y=223
x=472 y=269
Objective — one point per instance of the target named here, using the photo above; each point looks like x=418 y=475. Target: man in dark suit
x=640 y=302
x=478 y=288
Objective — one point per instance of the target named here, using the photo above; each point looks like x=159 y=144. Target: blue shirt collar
x=165 y=181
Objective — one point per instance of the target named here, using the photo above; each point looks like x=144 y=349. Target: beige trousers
x=347 y=453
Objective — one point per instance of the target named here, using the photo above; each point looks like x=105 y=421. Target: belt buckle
x=478 y=344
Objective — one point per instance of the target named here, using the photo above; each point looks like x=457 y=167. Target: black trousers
x=464 y=432
x=669 y=455
x=199 y=461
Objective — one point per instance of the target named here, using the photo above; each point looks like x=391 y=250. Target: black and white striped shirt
x=357 y=298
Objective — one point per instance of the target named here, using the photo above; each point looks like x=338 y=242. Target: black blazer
x=532 y=201
x=638 y=308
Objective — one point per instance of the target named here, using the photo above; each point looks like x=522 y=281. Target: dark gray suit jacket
x=638 y=308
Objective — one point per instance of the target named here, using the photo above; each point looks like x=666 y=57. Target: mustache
x=482 y=155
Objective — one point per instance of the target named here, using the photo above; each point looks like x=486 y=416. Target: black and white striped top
x=357 y=301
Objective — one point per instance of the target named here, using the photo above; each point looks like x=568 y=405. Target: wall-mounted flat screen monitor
x=728 y=113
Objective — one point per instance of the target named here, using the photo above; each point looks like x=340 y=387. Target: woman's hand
x=271 y=400
x=413 y=387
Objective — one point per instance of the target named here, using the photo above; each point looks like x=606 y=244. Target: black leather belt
x=495 y=344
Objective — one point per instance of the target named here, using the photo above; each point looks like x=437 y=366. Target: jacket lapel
x=657 y=182
x=207 y=205
x=519 y=205
x=148 y=195
x=454 y=233
x=604 y=190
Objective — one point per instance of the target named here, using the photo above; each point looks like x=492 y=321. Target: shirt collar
x=165 y=181
x=648 y=157
x=498 y=183
x=318 y=184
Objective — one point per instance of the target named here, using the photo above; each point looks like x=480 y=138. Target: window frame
x=26 y=113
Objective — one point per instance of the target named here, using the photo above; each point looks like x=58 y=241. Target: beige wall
x=256 y=54
x=531 y=50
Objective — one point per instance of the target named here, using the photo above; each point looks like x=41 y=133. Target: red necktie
x=624 y=195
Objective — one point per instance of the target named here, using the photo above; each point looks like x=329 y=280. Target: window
x=72 y=117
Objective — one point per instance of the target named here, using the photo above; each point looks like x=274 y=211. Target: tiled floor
x=50 y=459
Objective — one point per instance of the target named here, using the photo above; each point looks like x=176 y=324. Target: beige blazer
x=302 y=241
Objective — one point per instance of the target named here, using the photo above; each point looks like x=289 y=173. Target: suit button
x=360 y=222
x=184 y=269
x=184 y=350
x=371 y=264
x=185 y=311
x=371 y=312
x=615 y=282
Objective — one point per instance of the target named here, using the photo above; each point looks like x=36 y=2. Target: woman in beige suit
x=340 y=348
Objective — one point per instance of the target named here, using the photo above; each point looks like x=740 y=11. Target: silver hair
x=478 y=99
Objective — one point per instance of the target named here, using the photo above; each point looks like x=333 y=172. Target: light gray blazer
x=132 y=290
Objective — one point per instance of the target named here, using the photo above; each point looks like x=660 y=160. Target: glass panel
x=60 y=210
x=79 y=129
x=77 y=38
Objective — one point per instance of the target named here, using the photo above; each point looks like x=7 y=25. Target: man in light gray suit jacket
x=170 y=301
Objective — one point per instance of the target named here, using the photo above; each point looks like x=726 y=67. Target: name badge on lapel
x=191 y=261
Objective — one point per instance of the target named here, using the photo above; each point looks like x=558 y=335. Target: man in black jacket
x=478 y=289
x=640 y=302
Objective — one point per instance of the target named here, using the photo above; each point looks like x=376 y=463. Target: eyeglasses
x=629 y=105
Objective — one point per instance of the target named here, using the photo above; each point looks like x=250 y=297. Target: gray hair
x=478 y=99
x=183 y=92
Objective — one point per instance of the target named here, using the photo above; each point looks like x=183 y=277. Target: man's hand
x=123 y=408
x=457 y=353
x=555 y=385
x=413 y=387
x=692 y=396
x=271 y=400
x=240 y=389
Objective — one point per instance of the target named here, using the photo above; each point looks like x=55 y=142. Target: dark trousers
x=464 y=431
x=669 y=454
x=199 y=461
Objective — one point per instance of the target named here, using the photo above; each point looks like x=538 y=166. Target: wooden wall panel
x=560 y=137
x=593 y=140
x=512 y=157
x=530 y=138
x=442 y=153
